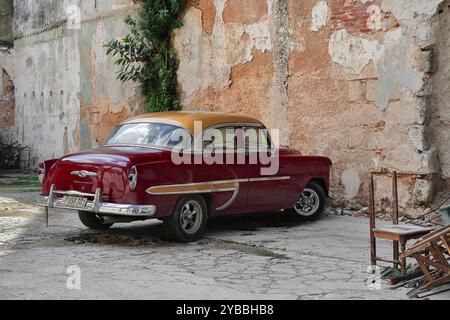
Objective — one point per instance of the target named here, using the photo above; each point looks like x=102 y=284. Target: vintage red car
x=138 y=175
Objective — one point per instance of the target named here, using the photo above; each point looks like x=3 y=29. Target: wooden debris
x=434 y=291
x=432 y=253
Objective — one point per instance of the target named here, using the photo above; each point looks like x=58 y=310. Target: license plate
x=74 y=202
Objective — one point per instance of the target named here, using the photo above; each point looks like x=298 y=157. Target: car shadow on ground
x=252 y=222
x=153 y=233
x=66 y=227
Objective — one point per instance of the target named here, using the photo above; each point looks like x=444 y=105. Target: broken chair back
x=432 y=253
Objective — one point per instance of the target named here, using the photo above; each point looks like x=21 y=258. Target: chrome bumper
x=96 y=205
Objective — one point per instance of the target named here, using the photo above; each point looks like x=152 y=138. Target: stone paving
x=260 y=256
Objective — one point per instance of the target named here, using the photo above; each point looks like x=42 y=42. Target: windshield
x=148 y=134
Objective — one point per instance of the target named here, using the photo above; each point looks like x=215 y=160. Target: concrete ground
x=261 y=256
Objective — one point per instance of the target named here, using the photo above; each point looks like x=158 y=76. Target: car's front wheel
x=311 y=203
x=188 y=221
x=92 y=221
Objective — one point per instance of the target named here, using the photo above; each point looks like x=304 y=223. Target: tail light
x=132 y=178
x=41 y=172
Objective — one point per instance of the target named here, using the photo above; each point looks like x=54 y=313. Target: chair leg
x=403 y=260
x=422 y=261
x=373 y=242
x=395 y=218
x=373 y=252
x=396 y=253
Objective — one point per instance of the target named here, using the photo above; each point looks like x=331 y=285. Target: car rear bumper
x=55 y=199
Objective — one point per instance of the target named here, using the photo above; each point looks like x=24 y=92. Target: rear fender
x=48 y=167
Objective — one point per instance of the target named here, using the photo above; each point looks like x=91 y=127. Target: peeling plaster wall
x=320 y=15
x=104 y=101
x=207 y=59
x=364 y=82
x=67 y=97
x=47 y=91
x=7 y=100
x=349 y=79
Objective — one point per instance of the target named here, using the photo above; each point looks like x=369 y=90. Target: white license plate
x=74 y=202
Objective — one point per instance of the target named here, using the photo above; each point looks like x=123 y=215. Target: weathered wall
x=350 y=79
x=7 y=100
x=6 y=13
x=364 y=82
x=46 y=66
x=67 y=97
x=47 y=91
x=105 y=101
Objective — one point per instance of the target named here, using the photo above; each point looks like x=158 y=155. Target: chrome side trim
x=195 y=188
x=235 y=194
x=229 y=202
x=269 y=179
x=207 y=186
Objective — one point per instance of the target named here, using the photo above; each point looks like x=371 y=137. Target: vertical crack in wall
x=279 y=102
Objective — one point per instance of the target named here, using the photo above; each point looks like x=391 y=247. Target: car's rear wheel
x=311 y=203
x=92 y=221
x=188 y=221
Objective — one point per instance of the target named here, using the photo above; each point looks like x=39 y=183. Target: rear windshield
x=148 y=134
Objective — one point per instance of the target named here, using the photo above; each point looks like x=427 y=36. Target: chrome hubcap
x=191 y=217
x=308 y=204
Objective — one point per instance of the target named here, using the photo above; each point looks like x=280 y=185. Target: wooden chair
x=398 y=234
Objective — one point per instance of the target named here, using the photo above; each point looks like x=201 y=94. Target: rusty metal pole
x=373 y=244
x=46 y=217
x=394 y=197
x=395 y=215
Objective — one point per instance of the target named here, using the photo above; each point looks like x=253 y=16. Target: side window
x=237 y=138
x=220 y=139
x=256 y=139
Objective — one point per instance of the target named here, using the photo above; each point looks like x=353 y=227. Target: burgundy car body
x=155 y=169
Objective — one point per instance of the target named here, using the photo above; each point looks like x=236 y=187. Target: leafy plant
x=146 y=55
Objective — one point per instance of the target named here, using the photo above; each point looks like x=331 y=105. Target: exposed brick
x=7 y=114
x=356 y=91
x=208 y=13
x=7 y=102
x=351 y=15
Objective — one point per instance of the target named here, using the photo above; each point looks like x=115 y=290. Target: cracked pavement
x=259 y=256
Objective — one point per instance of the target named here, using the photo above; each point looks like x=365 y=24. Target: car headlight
x=41 y=172
x=132 y=178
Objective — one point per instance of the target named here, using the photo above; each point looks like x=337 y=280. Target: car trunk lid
x=105 y=168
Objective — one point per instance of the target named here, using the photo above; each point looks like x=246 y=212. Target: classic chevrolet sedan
x=183 y=168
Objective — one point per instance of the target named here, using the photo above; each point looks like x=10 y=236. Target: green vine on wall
x=146 y=55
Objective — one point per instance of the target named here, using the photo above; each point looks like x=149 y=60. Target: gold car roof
x=186 y=119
